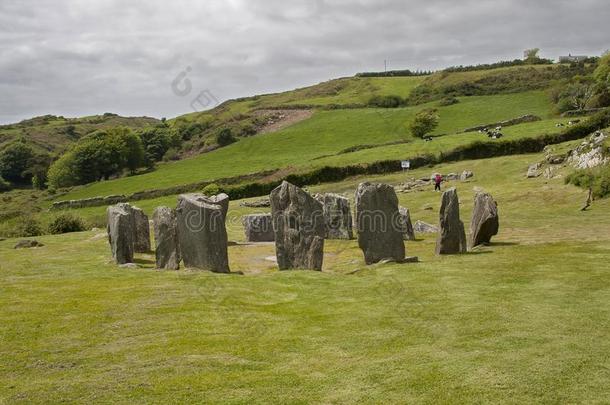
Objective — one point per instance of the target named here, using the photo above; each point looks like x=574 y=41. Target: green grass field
x=329 y=132
x=524 y=320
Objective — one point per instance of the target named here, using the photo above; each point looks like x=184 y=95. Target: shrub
x=211 y=190
x=386 y=101
x=29 y=227
x=65 y=223
x=225 y=137
x=449 y=100
x=425 y=121
x=4 y=185
x=171 y=154
x=597 y=179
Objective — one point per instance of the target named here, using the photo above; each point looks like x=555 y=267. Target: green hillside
x=54 y=134
x=329 y=132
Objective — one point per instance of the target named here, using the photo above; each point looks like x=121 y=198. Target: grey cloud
x=71 y=57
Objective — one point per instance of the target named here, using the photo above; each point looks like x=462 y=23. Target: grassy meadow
x=524 y=320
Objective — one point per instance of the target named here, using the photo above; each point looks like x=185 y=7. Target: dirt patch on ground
x=276 y=120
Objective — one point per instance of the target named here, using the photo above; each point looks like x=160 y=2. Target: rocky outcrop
x=89 y=202
x=28 y=244
x=166 y=239
x=466 y=174
x=380 y=234
x=485 y=220
x=337 y=216
x=202 y=236
x=422 y=227
x=264 y=203
x=451 y=236
x=121 y=232
x=298 y=221
x=405 y=222
x=533 y=170
x=590 y=153
x=258 y=228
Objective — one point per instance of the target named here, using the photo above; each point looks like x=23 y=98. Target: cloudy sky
x=75 y=58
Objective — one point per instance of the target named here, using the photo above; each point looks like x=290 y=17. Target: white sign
x=405 y=164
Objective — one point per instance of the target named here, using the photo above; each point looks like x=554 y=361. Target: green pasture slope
x=308 y=143
x=524 y=320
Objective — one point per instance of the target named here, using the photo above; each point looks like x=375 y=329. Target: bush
x=425 y=121
x=225 y=137
x=597 y=179
x=386 y=101
x=65 y=223
x=211 y=190
x=29 y=227
x=449 y=100
x=4 y=185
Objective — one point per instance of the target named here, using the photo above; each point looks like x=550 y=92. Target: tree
x=225 y=137
x=4 y=185
x=531 y=55
x=424 y=122
x=98 y=156
x=15 y=160
x=602 y=72
x=581 y=92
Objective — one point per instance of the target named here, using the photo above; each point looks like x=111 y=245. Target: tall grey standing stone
x=221 y=199
x=451 y=235
x=258 y=228
x=298 y=223
x=121 y=232
x=337 y=216
x=380 y=234
x=485 y=221
x=142 y=231
x=202 y=236
x=166 y=238
x=405 y=221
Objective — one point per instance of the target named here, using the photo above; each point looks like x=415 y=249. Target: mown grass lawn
x=522 y=321
x=327 y=133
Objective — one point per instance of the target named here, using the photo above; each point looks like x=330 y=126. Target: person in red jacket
x=438 y=179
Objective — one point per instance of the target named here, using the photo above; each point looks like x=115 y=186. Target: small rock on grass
x=26 y=244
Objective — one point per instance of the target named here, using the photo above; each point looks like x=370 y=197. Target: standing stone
x=485 y=220
x=422 y=227
x=337 y=216
x=380 y=234
x=405 y=223
x=221 y=199
x=258 y=228
x=166 y=238
x=451 y=236
x=121 y=231
x=202 y=236
x=142 y=231
x=466 y=174
x=298 y=222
